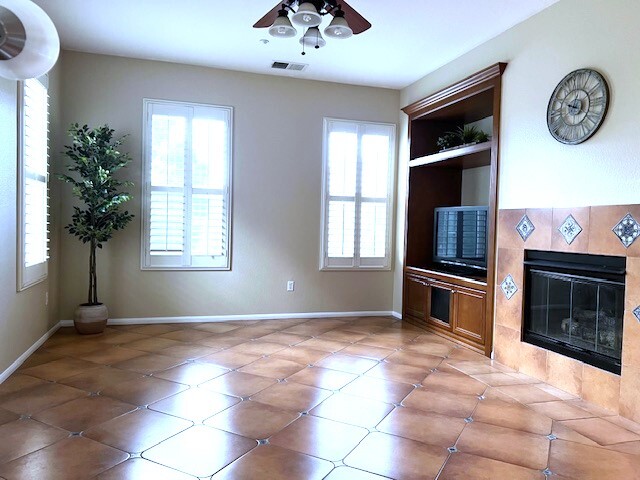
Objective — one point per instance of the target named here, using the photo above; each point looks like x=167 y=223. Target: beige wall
x=276 y=191
x=24 y=318
x=475 y=186
x=536 y=170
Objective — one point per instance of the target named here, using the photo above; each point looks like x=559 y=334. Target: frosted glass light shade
x=307 y=15
x=29 y=43
x=313 y=38
x=338 y=28
x=282 y=27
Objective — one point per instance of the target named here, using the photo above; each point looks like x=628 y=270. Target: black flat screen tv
x=460 y=237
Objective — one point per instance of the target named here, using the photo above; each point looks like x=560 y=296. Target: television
x=460 y=237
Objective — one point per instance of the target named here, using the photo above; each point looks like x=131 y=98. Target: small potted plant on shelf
x=95 y=159
x=460 y=137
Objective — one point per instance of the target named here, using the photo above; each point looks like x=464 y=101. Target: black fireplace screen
x=575 y=311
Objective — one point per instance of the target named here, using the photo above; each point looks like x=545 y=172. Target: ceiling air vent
x=296 y=67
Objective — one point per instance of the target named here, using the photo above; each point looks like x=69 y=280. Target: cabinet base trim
x=476 y=348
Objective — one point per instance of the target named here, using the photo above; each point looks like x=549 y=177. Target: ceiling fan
x=308 y=14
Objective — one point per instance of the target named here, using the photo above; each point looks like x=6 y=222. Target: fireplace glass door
x=576 y=314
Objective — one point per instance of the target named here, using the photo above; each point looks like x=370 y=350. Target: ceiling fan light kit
x=308 y=14
x=29 y=43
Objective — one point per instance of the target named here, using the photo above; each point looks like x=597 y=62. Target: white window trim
x=145 y=263
x=28 y=276
x=356 y=263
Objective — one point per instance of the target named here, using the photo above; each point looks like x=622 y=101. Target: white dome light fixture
x=282 y=27
x=307 y=15
x=312 y=38
x=29 y=43
x=338 y=28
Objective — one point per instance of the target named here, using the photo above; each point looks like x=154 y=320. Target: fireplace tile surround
x=618 y=393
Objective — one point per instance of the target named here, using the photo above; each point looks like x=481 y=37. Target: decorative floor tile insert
x=570 y=229
x=636 y=312
x=509 y=287
x=627 y=230
x=525 y=227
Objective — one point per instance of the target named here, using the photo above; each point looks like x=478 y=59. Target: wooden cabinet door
x=415 y=297
x=440 y=308
x=470 y=314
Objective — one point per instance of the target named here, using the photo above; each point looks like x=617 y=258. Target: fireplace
x=574 y=305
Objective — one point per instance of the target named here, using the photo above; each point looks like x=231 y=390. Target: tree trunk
x=93 y=281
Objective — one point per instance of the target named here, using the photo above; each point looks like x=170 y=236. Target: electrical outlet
x=291 y=285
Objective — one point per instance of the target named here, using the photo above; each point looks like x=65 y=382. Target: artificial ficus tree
x=95 y=158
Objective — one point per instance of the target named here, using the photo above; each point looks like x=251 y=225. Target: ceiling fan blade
x=269 y=18
x=356 y=21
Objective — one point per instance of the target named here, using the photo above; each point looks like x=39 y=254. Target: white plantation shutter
x=167 y=205
x=33 y=168
x=187 y=186
x=358 y=168
x=376 y=155
x=342 y=161
x=166 y=223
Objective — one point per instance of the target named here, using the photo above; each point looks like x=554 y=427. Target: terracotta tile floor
x=334 y=399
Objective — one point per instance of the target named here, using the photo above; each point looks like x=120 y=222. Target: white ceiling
x=408 y=39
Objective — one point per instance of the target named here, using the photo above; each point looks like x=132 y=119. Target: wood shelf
x=469 y=281
x=465 y=157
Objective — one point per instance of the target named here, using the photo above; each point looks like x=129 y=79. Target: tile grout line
x=378 y=362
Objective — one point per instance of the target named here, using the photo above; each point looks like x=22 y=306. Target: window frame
x=356 y=262
x=145 y=257
x=28 y=276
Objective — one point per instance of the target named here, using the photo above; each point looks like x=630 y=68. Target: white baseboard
x=396 y=315
x=228 y=318
x=21 y=359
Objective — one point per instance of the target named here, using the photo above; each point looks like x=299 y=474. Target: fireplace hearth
x=574 y=305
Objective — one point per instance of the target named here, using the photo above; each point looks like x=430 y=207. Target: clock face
x=578 y=106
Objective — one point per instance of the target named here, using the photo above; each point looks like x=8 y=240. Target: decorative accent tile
x=570 y=229
x=452 y=449
x=525 y=227
x=509 y=287
x=636 y=312
x=627 y=230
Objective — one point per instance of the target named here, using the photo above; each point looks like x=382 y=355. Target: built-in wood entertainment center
x=453 y=301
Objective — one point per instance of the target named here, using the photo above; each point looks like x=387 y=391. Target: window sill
x=355 y=269
x=186 y=269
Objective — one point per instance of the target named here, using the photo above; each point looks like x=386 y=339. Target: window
x=187 y=182
x=33 y=178
x=356 y=207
